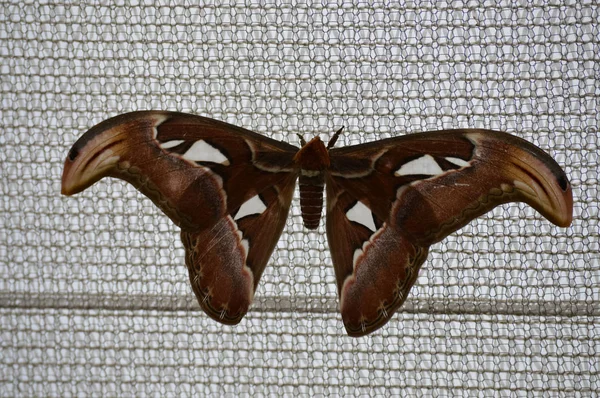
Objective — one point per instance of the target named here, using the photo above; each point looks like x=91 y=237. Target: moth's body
x=230 y=190
x=313 y=161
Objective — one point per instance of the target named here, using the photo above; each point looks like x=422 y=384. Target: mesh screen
x=94 y=296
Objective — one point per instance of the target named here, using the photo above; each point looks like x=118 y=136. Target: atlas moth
x=388 y=201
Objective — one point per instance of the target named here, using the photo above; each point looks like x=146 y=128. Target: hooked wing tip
x=564 y=197
x=68 y=180
x=565 y=218
x=537 y=178
x=560 y=197
x=67 y=186
x=93 y=155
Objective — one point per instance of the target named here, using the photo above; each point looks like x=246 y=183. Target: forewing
x=423 y=187
x=202 y=173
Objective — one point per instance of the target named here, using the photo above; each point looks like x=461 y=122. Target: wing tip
x=557 y=207
x=541 y=181
x=100 y=148
x=563 y=216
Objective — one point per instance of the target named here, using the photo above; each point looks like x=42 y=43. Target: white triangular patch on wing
x=243 y=242
x=201 y=151
x=458 y=161
x=361 y=214
x=425 y=165
x=246 y=247
x=170 y=144
x=355 y=257
x=254 y=205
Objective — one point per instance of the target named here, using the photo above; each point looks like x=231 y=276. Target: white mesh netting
x=94 y=293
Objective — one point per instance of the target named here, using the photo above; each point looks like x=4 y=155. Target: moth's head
x=313 y=155
x=331 y=142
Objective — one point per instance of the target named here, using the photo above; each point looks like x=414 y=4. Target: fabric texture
x=94 y=294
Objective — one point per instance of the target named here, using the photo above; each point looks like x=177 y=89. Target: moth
x=230 y=190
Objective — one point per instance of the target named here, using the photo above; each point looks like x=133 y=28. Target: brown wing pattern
x=423 y=187
x=225 y=262
x=220 y=183
x=230 y=190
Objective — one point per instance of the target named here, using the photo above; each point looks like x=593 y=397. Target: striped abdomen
x=311 y=198
x=312 y=160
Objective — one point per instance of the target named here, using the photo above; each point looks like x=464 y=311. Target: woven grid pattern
x=94 y=296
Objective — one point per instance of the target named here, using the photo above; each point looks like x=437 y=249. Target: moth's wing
x=226 y=261
x=388 y=201
x=375 y=264
x=229 y=190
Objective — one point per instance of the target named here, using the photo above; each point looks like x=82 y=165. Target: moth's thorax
x=313 y=156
